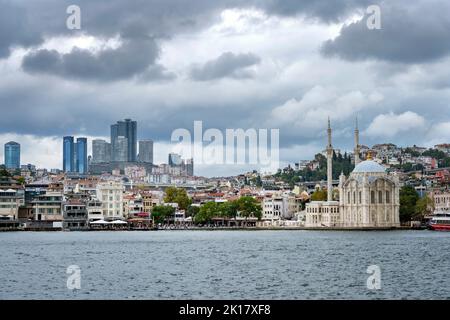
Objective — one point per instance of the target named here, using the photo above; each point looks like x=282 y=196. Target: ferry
x=440 y=222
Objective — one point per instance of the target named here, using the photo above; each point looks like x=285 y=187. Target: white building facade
x=111 y=195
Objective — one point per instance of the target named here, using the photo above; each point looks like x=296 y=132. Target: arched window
x=348 y=197
x=372 y=197
x=354 y=197
x=388 y=197
x=380 y=197
x=360 y=197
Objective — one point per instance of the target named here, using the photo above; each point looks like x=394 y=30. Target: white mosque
x=368 y=198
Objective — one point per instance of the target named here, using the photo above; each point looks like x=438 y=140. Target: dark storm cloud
x=227 y=65
x=131 y=58
x=324 y=10
x=15 y=28
x=26 y=23
x=411 y=32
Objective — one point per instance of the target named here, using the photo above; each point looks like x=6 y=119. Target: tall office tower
x=120 y=149
x=127 y=129
x=101 y=151
x=68 y=154
x=174 y=159
x=81 y=159
x=145 y=151
x=189 y=163
x=12 y=155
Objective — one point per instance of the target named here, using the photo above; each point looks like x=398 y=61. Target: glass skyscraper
x=12 y=155
x=128 y=130
x=75 y=155
x=68 y=154
x=82 y=158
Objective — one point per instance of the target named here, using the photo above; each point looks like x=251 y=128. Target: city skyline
x=292 y=80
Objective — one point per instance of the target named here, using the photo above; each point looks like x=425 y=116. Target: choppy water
x=225 y=264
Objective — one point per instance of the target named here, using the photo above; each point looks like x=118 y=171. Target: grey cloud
x=156 y=73
x=412 y=32
x=131 y=58
x=15 y=28
x=227 y=65
x=26 y=23
x=324 y=10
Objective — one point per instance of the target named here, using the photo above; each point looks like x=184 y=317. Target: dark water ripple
x=225 y=265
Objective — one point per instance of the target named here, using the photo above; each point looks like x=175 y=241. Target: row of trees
x=246 y=207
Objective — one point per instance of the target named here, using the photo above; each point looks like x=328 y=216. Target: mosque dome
x=369 y=166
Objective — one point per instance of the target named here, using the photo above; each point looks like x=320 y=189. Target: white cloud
x=311 y=112
x=439 y=133
x=391 y=124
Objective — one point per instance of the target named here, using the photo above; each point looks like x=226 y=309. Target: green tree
x=192 y=211
x=424 y=206
x=206 y=212
x=21 y=180
x=162 y=213
x=408 y=200
x=177 y=195
x=228 y=209
x=249 y=207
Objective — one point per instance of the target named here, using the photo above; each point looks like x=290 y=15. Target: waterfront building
x=110 y=193
x=12 y=155
x=145 y=151
x=94 y=209
x=101 y=151
x=133 y=205
x=81 y=156
x=368 y=198
x=128 y=130
x=75 y=215
x=47 y=206
x=10 y=202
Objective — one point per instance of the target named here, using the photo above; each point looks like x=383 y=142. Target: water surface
x=225 y=264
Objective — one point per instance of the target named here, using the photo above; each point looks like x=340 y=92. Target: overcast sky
x=283 y=64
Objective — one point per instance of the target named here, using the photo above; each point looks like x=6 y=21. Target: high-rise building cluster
x=123 y=146
x=75 y=157
x=123 y=153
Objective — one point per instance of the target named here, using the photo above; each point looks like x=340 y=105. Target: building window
x=372 y=197
x=380 y=197
x=348 y=197
x=388 y=197
x=360 y=197
x=354 y=197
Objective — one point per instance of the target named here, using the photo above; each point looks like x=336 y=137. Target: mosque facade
x=368 y=198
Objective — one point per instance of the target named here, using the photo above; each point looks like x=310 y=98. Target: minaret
x=357 y=148
x=329 y=164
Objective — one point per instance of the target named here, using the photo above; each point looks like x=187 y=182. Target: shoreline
x=226 y=229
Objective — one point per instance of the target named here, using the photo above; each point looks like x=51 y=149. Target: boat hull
x=440 y=227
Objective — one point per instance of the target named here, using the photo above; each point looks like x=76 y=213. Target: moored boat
x=440 y=222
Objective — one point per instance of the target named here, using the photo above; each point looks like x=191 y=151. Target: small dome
x=369 y=166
